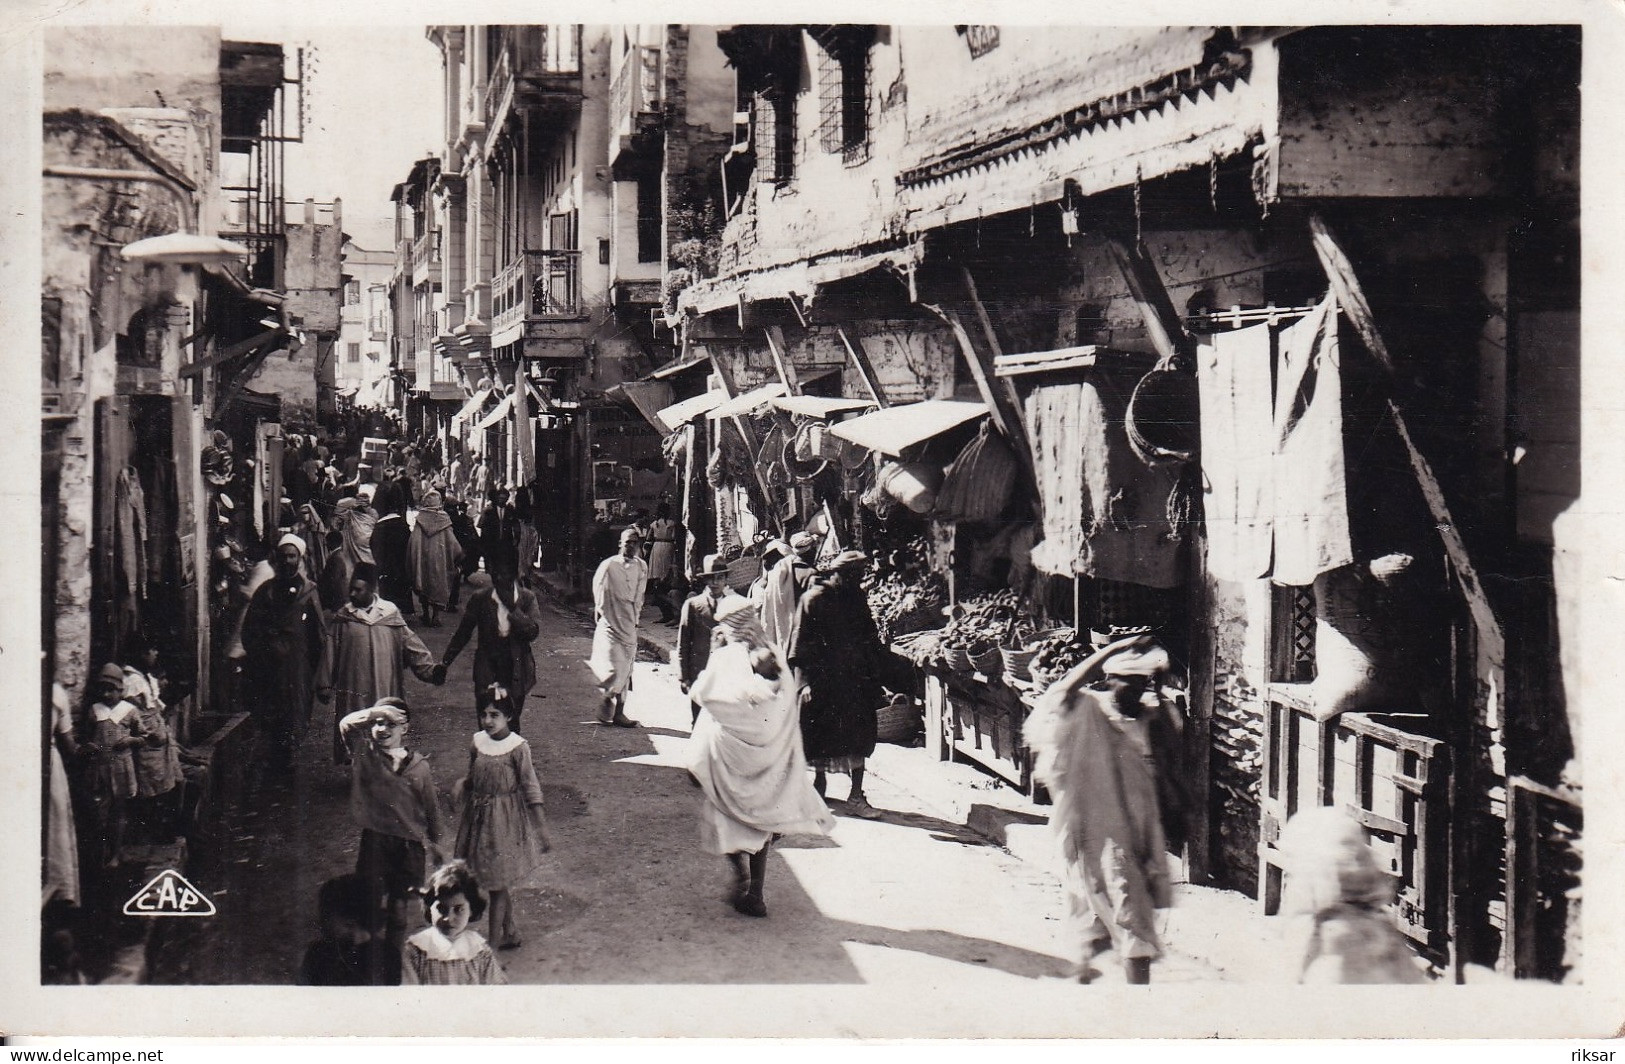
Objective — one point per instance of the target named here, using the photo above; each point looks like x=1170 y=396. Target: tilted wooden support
x=1351 y=297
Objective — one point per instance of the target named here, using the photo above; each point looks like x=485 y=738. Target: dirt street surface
x=627 y=896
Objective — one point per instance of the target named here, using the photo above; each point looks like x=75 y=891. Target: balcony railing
x=535 y=61
x=425 y=254
x=539 y=285
x=636 y=88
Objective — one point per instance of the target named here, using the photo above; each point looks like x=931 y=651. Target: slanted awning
x=472 y=407
x=895 y=429
x=748 y=401
x=350 y=392
x=680 y=366
x=681 y=413
x=801 y=278
x=497 y=413
x=819 y=406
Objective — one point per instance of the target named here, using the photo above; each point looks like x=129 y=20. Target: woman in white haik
x=747 y=754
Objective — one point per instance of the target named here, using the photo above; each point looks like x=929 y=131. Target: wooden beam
x=193 y=369
x=1351 y=297
x=980 y=373
x=753 y=447
x=1162 y=322
x=866 y=369
x=787 y=369
x=994 y=351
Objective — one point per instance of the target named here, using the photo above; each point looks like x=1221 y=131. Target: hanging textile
x=130 y=533
x=1238 y=451
x=1310 y=492
x=1105 y=512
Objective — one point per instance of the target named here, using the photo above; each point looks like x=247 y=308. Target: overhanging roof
x=473 y=405
x=680 y=366
x=497 y=413
x=800 y=278
x=683 y=412
x=895 y=429
x=818 y=406
x=745 y=403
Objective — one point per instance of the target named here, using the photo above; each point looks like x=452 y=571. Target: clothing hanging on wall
x=1276 y=494
x=1311 y=492
x=1238 y=451
x=1105 y=512
x=130 y=535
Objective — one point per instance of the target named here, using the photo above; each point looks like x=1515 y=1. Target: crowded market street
x=902 y=899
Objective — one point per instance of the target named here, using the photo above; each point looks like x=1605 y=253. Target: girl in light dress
x=503 y=833
x=448 y=952
x=113 y=730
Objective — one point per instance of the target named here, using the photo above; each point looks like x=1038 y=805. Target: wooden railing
x=636 y=88
x=537 y=285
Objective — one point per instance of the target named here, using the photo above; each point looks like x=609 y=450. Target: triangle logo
x=169 y=894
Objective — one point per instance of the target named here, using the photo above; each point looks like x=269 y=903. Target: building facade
x=566 y=180
x=361 y=373
x=1012 y=212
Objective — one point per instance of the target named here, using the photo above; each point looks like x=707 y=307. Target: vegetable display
x=905 y=594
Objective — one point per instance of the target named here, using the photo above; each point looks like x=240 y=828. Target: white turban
x=292 y=540
x=1148 y=662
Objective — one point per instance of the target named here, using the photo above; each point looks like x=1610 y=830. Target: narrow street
x=627 y=896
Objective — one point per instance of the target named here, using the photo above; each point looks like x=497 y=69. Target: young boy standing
x=393 y=801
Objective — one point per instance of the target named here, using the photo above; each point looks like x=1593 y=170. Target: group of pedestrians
x=784 y=683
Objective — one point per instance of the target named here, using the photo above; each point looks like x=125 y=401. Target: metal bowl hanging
x=1162 y=421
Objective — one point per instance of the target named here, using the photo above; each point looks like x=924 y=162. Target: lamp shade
x=184 y=249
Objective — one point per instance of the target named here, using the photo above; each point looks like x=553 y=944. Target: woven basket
x=988 y=662
x=1017 y=663
x=898 y=722
x=956 y=658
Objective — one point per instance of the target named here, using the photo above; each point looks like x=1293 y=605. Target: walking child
x=503 y=832
x=113 y=731
x=448 y=952
x=1339 y=929
x=393 y=801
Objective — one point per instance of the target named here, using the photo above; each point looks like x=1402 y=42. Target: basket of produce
x=905 y=594
x=1055 y=657
x=986 y=659
x=957 y=659
x=899 y=720
x=1017 y=663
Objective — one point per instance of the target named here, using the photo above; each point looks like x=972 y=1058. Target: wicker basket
x=989 y=662
x=898 y=721
x=1017 y=663
x=956 y=658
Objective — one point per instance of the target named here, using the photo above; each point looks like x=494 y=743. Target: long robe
x=617 y=598
x=389 y=545
x=362 y=661
x=284 y=632
x=747 y=756
x=1101 y=773
x=432 y=555
x=786 y=584
x=835 y=650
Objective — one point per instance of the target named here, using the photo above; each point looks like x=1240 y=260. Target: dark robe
x=500 y=659
x=391 y=543
x=836 y=653
x=283 y=633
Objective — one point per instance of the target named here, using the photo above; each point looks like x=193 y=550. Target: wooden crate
x=1388 y=773
x=978 y=721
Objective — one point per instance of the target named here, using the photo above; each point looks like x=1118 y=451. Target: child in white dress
x=503 y=833
x=448 y=952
